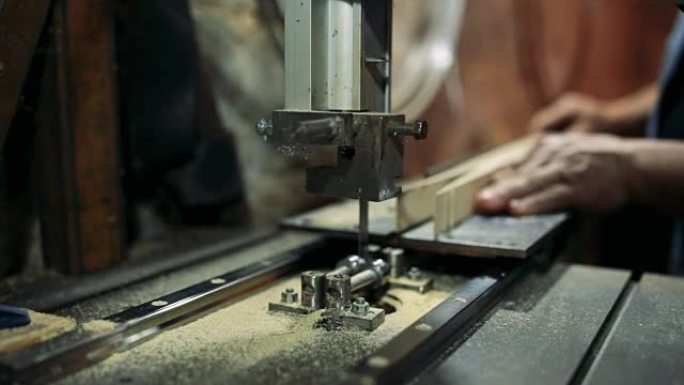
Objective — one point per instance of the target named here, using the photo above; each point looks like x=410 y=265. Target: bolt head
x=360 y=306
x=415 y=274
x=421 y=130
x=346 y=151
x=264 y=127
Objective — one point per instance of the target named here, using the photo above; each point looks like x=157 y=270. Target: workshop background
x=130 y=128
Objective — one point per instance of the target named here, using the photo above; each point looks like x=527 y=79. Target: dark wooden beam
x=21 y=23
x=83 y=224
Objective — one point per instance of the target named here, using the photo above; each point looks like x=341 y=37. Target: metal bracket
x=422 y=285
x=369 y=321
x=294 y=308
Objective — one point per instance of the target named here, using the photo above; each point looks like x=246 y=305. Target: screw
x=288 y=296
x=360 y=306
x=419 y=129
x=415 y=274
x=346 y=151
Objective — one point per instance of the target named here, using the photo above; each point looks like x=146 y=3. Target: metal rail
x=417 y=346
x=78 y=350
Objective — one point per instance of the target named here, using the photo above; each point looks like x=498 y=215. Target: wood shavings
x=98 y=326
x=43 y=327
x=244 y=343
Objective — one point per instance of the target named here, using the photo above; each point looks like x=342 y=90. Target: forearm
x=628 y=115
x=656 y=174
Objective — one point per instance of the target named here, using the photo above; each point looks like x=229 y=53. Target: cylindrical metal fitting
x=318 y=131
x=350 y=265
x=370 y=276
x=338 y=291
x=397 y=262
x=373 y=251
x=419 y=129
x=313 y=289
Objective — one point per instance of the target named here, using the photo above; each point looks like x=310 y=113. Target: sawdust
x=245 y=343
x=43 y=327
x=98 y=326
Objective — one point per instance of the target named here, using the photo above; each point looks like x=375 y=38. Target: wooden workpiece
x=448 y=196
x=455 y=201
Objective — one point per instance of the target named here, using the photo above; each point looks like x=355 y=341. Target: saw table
x=486 y=320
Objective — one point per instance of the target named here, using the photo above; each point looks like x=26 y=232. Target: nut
x=360 y=306
x=415 y=274
x=288 y=296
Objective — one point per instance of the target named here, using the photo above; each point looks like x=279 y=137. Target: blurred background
x=128 y=126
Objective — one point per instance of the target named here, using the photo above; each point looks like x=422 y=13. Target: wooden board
x=417 y=202
x=455 y=201
x=43 y=327
x=82 y=218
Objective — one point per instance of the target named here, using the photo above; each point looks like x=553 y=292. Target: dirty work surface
x=539 y=344
x=244 y=343
x=647 y=343
x=43 y=327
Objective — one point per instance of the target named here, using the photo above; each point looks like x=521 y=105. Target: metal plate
x=543 y=345
x=343 y=218
x=646 y=345
x=488 y=236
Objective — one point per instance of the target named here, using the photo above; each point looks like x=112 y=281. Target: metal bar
x=53 y=294
x=363 y=228
x=418 y=345
x=44 y=364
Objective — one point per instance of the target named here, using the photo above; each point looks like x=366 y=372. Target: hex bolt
x=415 y=274
x=360 y=306
x=288 y=296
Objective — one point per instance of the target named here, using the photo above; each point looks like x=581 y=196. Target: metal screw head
x=289 y=296
x=360 y=306
x=421 y=130
x=346 y=151
x=264 y=127
x=415 y=274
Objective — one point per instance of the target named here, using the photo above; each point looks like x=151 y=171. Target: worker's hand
x=573 y=170
x=574 y=113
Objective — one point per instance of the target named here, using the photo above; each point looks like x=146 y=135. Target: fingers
x=540 y=155
x=556 y=197
x=497 y=197
x=555 y=118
